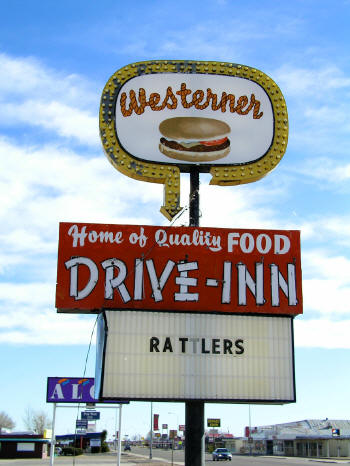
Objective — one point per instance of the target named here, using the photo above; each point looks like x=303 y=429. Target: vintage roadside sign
x=179 y=269
x=72 y=390
x=160 y=118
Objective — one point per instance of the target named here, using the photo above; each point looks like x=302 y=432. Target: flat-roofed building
x=23 y=445
x=307 y=438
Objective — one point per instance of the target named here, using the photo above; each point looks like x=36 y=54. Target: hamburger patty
x=198 y=148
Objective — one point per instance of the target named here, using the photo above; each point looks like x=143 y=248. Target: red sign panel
x=178 y=269
x=155 y=421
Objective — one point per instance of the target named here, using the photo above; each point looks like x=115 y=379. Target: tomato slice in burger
x=214 y=142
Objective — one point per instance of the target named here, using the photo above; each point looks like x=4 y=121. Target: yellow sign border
x=169 y=175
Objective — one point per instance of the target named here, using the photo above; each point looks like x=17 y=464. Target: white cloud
x=326 y=296
x=34 y=95
x=322 y=228
x=75 y=188
x=17 y=295
x=44 y=184
x=325 y=115
x=311 y=81
x=339 y=228
x=46 y=328
x=63 y=119
x=238 y=206
x=334 y=231
x=327 y=170
x=27 y=77
x=323 y=265
x=28 y=316
x=317 y=97
x=322 y=333
x=54 y=175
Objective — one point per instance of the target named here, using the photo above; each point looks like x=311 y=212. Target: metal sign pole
x=120 y=436
x=194 y=197
x=117 y=433
x=250 y=434
x=151 y=434
x=194 y=430
x=53 y=440
x=172 y=453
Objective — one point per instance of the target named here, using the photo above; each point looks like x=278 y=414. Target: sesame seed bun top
x=193 y=128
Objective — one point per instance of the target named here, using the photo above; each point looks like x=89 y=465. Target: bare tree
x=36 y=421
x=28 y=419
x=5 y=421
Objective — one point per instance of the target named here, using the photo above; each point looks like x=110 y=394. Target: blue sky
x=55 y=58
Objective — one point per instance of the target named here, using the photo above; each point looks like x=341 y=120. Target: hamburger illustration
x=194 y=139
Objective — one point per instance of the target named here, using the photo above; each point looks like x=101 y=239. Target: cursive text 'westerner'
x=197 y=99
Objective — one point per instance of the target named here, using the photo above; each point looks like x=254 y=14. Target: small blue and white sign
x=81 y=423
x=90 y=415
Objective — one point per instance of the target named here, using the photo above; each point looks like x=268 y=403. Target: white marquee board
x=207 y=357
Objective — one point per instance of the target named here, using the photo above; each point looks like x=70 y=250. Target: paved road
x=178 y=459
x=164 y=458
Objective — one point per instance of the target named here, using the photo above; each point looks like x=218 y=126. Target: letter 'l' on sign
x=159 y=118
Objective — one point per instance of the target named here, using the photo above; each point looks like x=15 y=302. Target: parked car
x=58 y=451
x=221 y=454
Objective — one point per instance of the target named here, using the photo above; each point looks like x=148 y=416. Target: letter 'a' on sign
x=160 y=118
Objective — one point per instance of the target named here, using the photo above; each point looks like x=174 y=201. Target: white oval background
x=250 y=138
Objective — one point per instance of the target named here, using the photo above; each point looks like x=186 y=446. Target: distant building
x=215 y=439
x=84 y=441
x=308 y=438
x=23 y=445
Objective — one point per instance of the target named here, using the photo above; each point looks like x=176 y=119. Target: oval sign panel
x=160 y=118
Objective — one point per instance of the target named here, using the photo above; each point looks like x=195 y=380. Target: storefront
x=23 y=446
x=84 y=441
x=309 y=438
